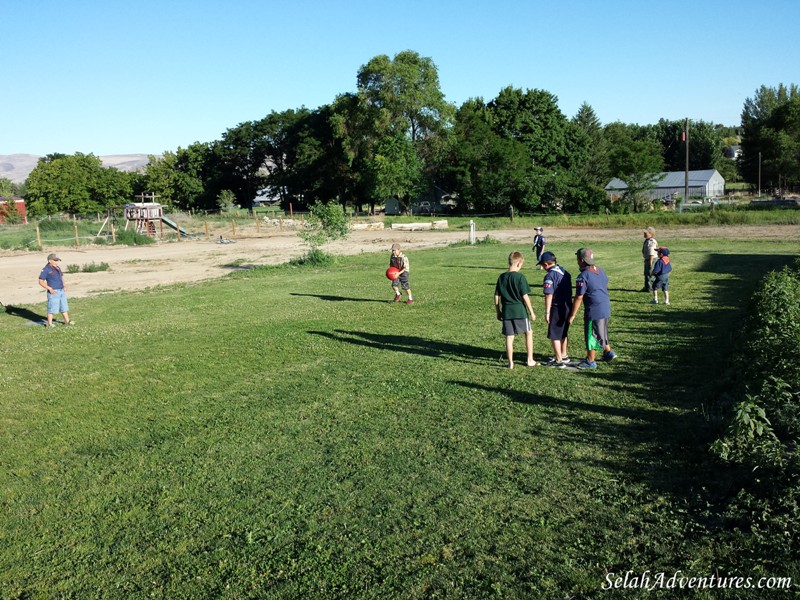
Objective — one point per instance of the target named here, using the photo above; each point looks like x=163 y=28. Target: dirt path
x=140 y=267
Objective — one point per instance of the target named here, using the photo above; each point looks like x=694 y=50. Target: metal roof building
x=701 y=183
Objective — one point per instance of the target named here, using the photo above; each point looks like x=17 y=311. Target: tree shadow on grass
x=25 y=313
x=330 y=298
x=659 y=406
x=411 y=344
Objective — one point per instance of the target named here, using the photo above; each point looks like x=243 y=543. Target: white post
x=471 y=231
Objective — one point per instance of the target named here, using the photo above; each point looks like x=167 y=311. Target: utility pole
x=759 y=175
x=686 y=173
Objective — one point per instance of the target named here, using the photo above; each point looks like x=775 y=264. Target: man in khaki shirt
x=650 y=256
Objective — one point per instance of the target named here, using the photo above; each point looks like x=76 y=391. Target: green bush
x=764 y=429
x=131 y=238
x=314 y=258
x=91 y=267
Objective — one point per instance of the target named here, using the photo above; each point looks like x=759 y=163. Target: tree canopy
x=77 y=184
x=397 y=136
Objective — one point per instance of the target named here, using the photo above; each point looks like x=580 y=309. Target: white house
x=701 y=183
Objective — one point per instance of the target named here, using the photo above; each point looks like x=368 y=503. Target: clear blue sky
x=119 y=77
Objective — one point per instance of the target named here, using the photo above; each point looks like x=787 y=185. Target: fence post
x=258 y=225
x=113 y=234
x=471 y=232
x=208 y=235
x=38 y=236
x=233 y=225
x=77 y=239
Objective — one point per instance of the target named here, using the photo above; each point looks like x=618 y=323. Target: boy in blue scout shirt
x=557 y=288
x=661 y=271
x=591 y=290
x=538 y=244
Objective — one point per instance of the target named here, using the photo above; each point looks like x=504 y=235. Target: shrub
x=326 y=222
x=131 y=238
x=314 y=258
x=764 y=429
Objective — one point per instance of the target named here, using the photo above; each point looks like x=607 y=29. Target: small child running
x=661 y=271
x=512 y=304
x=399 y=261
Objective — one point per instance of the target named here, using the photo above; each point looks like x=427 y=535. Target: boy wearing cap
x=591 y=290
x=512 y=304
x=557 y=289
x=52 y=279
x=649 y=255
x=661 y=271
x=399 y=261
x=538 y=244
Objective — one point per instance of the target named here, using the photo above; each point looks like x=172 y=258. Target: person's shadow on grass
x=329 y=298
x=414 y=345
x=24 y=313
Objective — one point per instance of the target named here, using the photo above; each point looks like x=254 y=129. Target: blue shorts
x=558 y=328
x=661 y=283
x=57 y=302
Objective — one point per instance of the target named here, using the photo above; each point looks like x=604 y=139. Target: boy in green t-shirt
x=513 y=305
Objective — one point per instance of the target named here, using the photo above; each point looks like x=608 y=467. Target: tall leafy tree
x=77 y=184
x=595 y=167
x=238 y=162
x=780 y=141
x=176 y=178
x=402 y=99
x=491 y=172
x=705 y=144
x=637 y=160
x=8 y=187
x=756 y=115
x=407 y=91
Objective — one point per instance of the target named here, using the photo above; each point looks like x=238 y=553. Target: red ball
x=392 y=273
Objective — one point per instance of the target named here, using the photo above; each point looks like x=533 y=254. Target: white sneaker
x=666 y=302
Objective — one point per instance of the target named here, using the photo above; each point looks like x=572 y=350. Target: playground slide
x=175 y=226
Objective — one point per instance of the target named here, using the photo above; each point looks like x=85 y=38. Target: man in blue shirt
x=52 y=279
x=591 y=290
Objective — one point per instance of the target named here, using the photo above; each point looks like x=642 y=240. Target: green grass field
x=287 y=432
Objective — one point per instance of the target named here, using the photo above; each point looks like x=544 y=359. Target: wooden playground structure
x=146 y=217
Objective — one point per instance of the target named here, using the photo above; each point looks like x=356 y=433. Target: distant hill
x=17 y=167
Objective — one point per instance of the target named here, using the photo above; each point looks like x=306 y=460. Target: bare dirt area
x=141 y=267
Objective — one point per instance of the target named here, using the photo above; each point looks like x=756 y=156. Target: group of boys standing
x=513 y=306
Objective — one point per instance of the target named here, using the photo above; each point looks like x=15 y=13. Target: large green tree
x=176 y=178
x=77 y=184
x=490 y=172
x=705 y=144
x=762 y=145
x=402 y=99
x=8 y=187
x=519 y=151
x=595 y=167
x=637 y=160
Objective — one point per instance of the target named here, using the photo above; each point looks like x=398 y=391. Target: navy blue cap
x=547 y=256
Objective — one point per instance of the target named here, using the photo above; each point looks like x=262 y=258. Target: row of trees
x=396 y=136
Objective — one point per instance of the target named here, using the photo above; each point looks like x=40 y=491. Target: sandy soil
x=140 y=267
